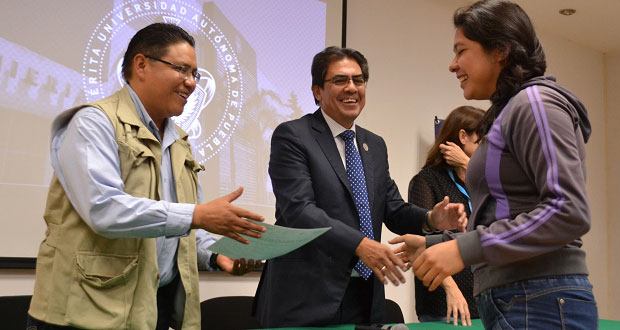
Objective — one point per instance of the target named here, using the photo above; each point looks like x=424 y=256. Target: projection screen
x=254 y=57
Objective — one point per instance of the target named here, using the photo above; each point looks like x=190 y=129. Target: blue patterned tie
x=355 y=173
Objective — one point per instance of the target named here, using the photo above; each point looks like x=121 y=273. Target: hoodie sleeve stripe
x=494 y=155
x=552 y=178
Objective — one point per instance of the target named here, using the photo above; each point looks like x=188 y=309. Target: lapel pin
x=365 y=146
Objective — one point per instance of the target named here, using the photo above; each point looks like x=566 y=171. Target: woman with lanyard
x=442 y=175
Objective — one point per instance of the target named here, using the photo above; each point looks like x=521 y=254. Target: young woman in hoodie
x=526 y=182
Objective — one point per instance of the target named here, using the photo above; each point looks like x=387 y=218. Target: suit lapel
x=367 y=161
x=326 y=141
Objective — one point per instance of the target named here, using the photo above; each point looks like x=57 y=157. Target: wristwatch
x=427 y=228
x=213 y=262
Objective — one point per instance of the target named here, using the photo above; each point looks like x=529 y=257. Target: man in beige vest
x=120 y=250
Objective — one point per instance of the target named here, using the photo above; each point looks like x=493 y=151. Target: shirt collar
x=334 y=127
x=169 y=128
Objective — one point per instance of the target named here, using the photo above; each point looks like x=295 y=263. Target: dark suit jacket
x=305 y=287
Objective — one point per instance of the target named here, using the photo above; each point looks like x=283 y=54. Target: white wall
x=409 y=46
x=612 y=121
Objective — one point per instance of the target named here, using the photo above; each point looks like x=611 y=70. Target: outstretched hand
x=237 y=267
x=413 y=247
x=219 y=216
x=448 y=216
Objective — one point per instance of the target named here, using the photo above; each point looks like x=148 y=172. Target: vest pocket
x=192 y=164
x=102 y=290
x=194 y=167
x=133 y=152
x=188 y=180
x=137 y=165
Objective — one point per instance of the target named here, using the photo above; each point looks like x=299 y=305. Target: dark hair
x=503 y=25
x=464 y=117
x=322 y=60
x=154 y=40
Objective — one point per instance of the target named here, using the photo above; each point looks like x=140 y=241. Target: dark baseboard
x=17 y=263
x=30 y=263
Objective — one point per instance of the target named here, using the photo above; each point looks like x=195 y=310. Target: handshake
x=430 y=265
x=433 y=266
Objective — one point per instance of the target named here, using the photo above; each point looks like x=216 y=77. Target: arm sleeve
x=542 y=139
x=204 y=239
x=85 y=159
x=401 y=217
x=420 y=192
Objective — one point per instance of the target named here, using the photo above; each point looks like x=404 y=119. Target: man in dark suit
x=322 y=180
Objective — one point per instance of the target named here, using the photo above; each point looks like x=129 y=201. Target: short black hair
x=322 y=60
x=154 y=40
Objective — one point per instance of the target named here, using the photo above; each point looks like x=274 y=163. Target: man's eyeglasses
x=342 y=80
x=182 y=69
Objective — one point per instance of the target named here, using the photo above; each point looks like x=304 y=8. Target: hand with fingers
x=381 y=260
x=237 y=267
x=448 y=216
x=456 y=303
x=413 y=247
x=437 y=262
x=454 y=155
x=219 y=216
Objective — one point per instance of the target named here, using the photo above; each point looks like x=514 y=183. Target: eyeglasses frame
x=182 y=69
x=351 y=78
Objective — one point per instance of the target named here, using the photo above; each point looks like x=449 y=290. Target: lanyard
x=461 y=188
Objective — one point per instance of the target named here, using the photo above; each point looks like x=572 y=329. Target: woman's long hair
x=503 y=25
x=466 y=118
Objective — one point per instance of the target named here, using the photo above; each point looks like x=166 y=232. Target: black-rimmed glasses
x=342 y=80
x=182 y=69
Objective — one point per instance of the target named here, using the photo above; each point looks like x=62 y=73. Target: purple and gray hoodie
x=528 y=190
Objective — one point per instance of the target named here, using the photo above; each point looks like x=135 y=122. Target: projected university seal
x=213 y=110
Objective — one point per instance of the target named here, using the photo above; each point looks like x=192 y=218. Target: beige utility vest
x=88 y=281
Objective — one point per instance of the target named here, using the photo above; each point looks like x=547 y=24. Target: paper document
x=275 y=241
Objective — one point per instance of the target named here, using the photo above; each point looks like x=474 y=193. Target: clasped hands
x=385 y=263
x=431 y=265
x=434 y=265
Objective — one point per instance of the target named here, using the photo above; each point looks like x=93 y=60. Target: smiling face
x=342 y=103
x=162 y=89
x=476 y=69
